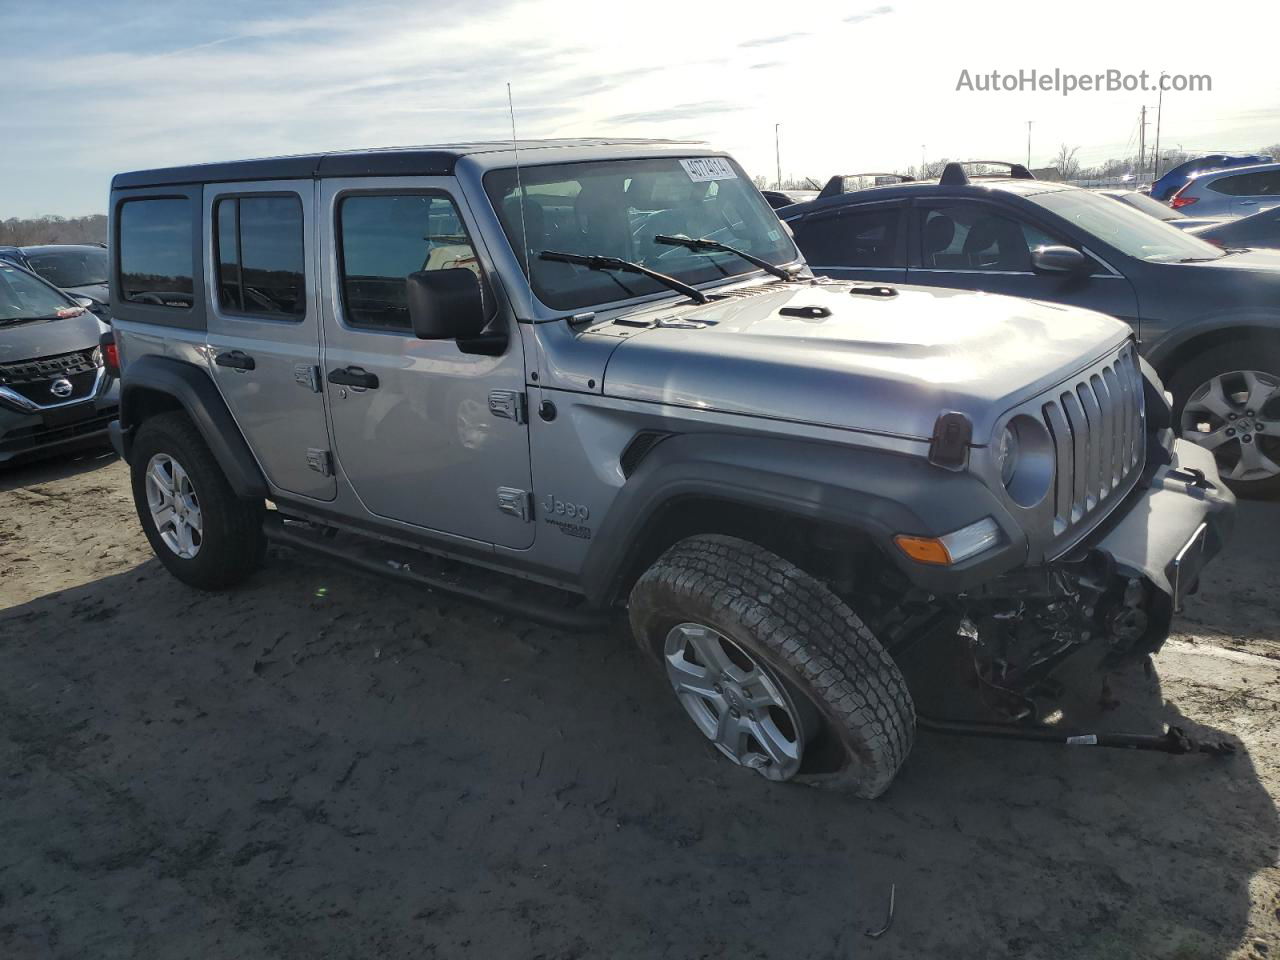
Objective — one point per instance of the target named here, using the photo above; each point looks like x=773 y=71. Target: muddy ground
x=324 y=765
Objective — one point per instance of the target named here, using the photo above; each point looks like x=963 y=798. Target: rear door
x=856 y=242
x=264 y=327
x=436 y=436
x=977 y=245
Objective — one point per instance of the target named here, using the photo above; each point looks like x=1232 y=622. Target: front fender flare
x=871 y=492
x=198 y=396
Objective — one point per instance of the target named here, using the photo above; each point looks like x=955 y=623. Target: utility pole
x=777 y=153
x=1029 y=122
x=1155 y=172
x=922 y=160
x=1142 y=142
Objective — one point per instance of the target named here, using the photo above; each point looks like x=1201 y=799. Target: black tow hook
x=1175 y=740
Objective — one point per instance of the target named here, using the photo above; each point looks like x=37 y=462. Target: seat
x=996 y=243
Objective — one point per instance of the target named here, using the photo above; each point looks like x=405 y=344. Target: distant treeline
x=18 y=232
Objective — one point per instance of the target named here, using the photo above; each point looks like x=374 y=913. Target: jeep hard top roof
x=433 y=160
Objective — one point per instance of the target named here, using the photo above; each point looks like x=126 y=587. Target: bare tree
x=1273 y=151
x=1066 y=162
x=18 y=232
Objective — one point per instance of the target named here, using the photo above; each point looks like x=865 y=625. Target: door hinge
x=321 y=461
x=508 y=404
x=307 y=375
x=518 y=503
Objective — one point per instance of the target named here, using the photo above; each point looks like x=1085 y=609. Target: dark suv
x=55 y=391
x=1207 y=319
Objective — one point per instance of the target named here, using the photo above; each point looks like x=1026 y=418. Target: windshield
x=1152 y=208
x=23 y=297
x=71 y=268
x=615 y=208
x=1128 y=230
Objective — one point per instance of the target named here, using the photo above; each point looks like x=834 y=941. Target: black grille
x=34 y=378
x=32 y=438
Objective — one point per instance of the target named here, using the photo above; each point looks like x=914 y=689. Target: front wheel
x=773 y=668
x=200 y=530
x=1228 y=401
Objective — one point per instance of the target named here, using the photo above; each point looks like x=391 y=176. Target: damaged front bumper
x=1171 y=526
x=1115 y=592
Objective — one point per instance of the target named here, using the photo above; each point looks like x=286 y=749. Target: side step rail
x=360 y=554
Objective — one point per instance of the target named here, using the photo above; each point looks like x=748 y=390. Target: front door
x=975 y=245
x=414 y=429
x=264 y=327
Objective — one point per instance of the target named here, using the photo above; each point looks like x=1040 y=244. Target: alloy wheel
x=737 y=702
x=1237 y=416
x=175 y=508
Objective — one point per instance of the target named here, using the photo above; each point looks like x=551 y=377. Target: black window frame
x=339 y=250
x=222 y=308
x=896 y=205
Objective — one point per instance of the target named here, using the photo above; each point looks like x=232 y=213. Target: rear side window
x=855 y=238
x=382 y=239
x=156 y=258
x=259 y=247
x=1264 y=184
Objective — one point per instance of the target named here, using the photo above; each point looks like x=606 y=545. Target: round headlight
x=1026 y=460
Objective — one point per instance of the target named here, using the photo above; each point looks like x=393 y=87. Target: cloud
x=768 y=41
x=766 y=66
x=683 y=111
x=869 y=14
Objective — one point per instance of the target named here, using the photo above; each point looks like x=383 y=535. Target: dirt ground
x=324 y=765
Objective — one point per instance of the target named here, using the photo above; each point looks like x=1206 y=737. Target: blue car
x=1175 y=179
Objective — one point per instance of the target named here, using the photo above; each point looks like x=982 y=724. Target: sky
x=94 y=88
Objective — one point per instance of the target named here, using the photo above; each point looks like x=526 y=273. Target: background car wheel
x=1228 y=401
x=772 y=667
x=200 y=530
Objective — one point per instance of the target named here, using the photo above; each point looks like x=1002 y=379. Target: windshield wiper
x=702 y=243
x=625 y=266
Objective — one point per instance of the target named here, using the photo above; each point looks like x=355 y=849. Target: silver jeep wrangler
x=571 y=377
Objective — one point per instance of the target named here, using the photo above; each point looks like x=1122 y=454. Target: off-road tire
x=1239 y=355
x=804 y=633
x=233 y=543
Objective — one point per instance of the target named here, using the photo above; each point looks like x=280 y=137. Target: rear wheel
x=774 y=669
x=1228 y=401
x=200 y=530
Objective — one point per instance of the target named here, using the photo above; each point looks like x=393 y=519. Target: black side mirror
x=1058 y=259
x=445 y=304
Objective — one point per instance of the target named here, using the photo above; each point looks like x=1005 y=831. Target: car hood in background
x=94 y=291
x=886 y=365
x=34 y=339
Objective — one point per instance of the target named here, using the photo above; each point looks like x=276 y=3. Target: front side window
x=382 y=238
x=23 y=297
x=260 y=256
x=156 y=252
x=851 y=238
x=1130 y=231
x=71 y=268
x=616 y=208
x=973 y=236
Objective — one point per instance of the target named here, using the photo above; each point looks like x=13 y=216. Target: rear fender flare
x=198 y=396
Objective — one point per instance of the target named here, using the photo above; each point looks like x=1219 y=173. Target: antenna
x=515 y=148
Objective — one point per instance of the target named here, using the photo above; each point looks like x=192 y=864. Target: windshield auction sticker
x=701 y=169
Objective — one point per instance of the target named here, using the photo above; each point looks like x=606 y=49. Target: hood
x=47 y=338
x=886 y=365
x=94 y=291
x=1259 y=260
